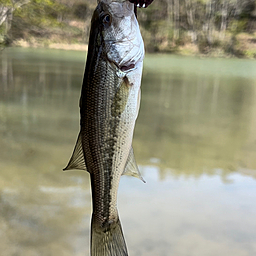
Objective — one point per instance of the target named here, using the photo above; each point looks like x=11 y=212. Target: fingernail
x=143 y=5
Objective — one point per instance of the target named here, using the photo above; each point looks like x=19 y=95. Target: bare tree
x=176 y=17
x=190 y=11
x=209 y=20
x=6 y=12
x=224 y=18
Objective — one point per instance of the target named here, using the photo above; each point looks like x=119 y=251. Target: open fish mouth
x=127 y=67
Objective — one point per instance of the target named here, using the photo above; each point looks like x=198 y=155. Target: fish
x=109 y=106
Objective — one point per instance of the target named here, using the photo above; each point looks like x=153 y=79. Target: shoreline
x=185 y=50
x=57 y=46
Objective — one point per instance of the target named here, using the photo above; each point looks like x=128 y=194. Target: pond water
x=195 y=144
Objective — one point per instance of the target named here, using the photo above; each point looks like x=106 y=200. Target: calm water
x=195 y=143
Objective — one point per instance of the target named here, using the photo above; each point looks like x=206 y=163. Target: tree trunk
x=190 y=11
x=176 y=19
x=209 y=21
x=224 y=14
x=169 y=22
x=3 y=14
x=8 y=21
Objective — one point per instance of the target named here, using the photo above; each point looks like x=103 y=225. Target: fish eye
x=106 y=19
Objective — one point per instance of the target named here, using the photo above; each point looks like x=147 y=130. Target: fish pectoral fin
x=131 y=168
x=77 y=159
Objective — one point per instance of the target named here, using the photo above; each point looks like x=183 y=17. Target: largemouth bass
x=109 y=106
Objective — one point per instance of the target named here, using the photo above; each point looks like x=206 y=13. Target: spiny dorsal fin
x=77 y=159
x=131 y=167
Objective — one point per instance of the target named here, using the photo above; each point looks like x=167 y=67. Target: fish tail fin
x=107 y=240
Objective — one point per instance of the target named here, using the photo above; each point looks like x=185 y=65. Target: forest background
x=208 y=27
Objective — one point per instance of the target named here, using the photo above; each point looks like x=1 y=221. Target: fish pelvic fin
x=131 y=167
x=107 y=240
x=77 y=159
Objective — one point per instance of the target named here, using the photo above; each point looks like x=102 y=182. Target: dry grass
x=247 y=44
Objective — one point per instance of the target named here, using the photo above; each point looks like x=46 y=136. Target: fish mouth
x=127 y=67
x=124 y=67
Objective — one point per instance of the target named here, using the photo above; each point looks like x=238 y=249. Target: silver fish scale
x=105 y=131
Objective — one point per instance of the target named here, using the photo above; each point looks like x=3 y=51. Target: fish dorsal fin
x=131 y=168
x=77 y=159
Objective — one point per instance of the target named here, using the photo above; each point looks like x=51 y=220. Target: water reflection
x=195 y=123
x=190 y=216
x=195 y=143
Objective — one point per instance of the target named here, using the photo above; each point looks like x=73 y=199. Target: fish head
x=118 y=36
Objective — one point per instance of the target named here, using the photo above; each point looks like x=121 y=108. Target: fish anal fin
x=77 y=159
x=131 y=168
